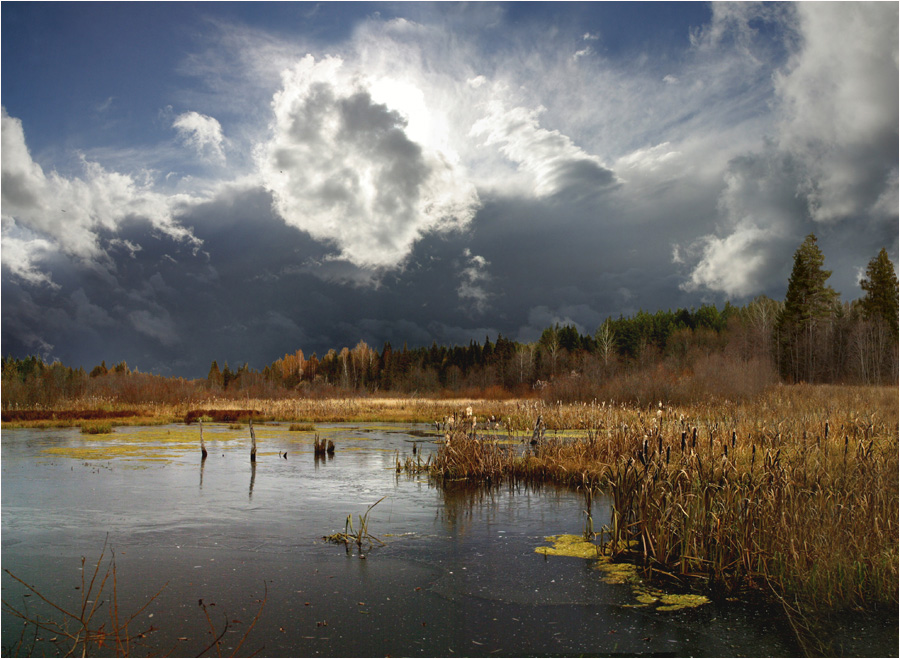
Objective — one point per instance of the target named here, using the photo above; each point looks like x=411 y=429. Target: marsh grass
x=412 y=466
x=358 y=536
x=511 y=416
x=358 y=409
x=96 y=428
x=793 y=495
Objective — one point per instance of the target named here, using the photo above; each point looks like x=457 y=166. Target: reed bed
x=301 y=410
x=793 y=495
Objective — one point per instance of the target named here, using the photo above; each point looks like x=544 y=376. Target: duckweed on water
x=167 y=444
x=620 y=573
x=152 y=444
x=660 y=601
x=569 y=545
x=617 y=573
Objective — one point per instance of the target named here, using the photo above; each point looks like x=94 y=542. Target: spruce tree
x=214 y=379
x=808 y=305
x=880 y=285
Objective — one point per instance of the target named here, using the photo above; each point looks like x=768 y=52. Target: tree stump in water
x=253 y=444
x=537 y=434
x=203 y=452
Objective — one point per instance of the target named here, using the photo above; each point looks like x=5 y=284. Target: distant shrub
x=302 y=427
x=221 y=416
x=96 y=428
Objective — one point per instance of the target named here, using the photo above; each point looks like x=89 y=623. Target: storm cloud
x=831 y=164
x=446 y=175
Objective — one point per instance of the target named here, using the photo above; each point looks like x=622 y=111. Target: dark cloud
x=258 y=288
x=831 y=167
x=582 y=178
x=422 y=189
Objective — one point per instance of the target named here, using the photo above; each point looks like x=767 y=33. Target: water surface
x=457 y=576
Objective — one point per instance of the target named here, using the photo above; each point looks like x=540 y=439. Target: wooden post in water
x=253 y=444
x=322 y=446
x=203 y=452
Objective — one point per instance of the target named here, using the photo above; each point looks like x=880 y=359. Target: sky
x=188 y=182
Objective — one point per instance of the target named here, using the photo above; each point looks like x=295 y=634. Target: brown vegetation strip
x=61 y=415
x=221 y=416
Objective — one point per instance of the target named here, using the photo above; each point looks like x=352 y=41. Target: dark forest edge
x=671 y=356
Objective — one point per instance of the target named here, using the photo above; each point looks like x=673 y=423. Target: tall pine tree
x=804 y=323
x=880 y=285
x=214 y=377
x=874 y=341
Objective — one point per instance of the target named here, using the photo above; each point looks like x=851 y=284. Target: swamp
x=551 y=530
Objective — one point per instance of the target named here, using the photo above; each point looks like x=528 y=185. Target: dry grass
x=301 y=410
x=794 y=494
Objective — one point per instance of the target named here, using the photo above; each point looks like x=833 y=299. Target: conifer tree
x=873 y=342
x=803 y=322
x=99 y=370
x=881 y=287
x=214 y=378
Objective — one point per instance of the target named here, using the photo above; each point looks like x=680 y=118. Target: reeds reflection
x=463 y=503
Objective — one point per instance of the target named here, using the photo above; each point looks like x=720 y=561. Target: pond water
x=458 y=574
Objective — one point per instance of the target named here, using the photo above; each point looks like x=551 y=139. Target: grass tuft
x=96 y=428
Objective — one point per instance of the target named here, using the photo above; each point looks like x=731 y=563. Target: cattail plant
x=815 y=528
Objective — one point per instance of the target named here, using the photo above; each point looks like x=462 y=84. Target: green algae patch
x=153 y=444
x=101 y=453
x=646 y=597
x=660 y=601
x=675 y=602
x=568 y=544
x=617 y=573
x=620 y=573
x=168 y=444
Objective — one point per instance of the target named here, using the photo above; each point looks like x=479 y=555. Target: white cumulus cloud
x=48 y=214
x=736 y=264
x=549 y=160
x=832 y=157
x=839 y=104
x=202 y=133
x=344 y=168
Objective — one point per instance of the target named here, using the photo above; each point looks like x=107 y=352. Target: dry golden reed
x=794 y=494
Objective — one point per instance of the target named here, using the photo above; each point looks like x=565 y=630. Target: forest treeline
x=672 y=356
